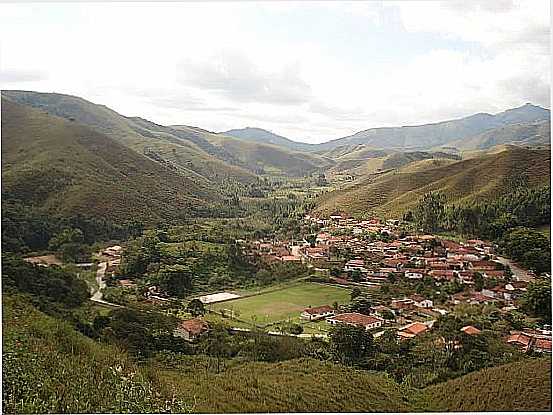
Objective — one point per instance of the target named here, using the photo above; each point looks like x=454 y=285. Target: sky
x=310 y=71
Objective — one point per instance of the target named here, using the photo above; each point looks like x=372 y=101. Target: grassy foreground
x=48 y=367
x=520 y=386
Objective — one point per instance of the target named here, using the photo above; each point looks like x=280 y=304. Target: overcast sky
x=311 y=71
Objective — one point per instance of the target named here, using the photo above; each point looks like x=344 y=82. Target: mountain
x=479 y=178
x=439 y=134
x=195 y=152
x=258 y=135
x=187 y=150
x=272 y=159
x=363 y=161
x=64 y=167
x=533 y=133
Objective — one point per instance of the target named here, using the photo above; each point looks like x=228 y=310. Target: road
x=97 y=296
x=519 y=273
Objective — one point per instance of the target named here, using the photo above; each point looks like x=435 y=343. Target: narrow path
x=97 y=296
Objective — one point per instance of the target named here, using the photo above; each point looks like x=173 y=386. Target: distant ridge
x=262 y=136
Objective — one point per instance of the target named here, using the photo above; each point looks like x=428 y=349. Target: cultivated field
x=284 y=304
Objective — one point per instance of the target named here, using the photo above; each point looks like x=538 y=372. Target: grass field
x=288 y=303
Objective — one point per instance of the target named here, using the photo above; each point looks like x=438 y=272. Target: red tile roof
x=415 y=328
x=471 y=330
x=194 y=326
x=319 y=310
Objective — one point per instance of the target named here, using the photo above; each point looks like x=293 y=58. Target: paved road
x=97 y=296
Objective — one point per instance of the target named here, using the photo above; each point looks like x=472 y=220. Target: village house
x=412 y=330
x=484 y=265
x=420 y=301
x=404 y=304
x=191 y=330
x=471 y=330
x=414 y=275
x=356 y=319
x=317 y=313
x=355 y=265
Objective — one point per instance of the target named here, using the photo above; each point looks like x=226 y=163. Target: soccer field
x=283 y=304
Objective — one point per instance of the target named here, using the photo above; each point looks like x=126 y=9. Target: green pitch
x=284 y=304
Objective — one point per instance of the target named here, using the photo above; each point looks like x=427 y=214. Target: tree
x=350 y=345
x=537 y=300
x=361 y=305
x=429 y=212
x=217 y=343
x=175 y=280
x=67 y=236
x=356 y=292
x=478 y=281
x=196 y=307
x=529 y=247
x=356 y=275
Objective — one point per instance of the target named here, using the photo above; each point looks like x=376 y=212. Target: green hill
x=363 y=160
x=48 y=367
x=479 y=178
x=64 y=167
x=267 y=158
x=520 y=386
x=188 y=150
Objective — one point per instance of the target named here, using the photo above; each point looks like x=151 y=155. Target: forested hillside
x=58 y=167
x=477 y=179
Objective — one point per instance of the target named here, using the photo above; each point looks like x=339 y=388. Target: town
x=383 y=278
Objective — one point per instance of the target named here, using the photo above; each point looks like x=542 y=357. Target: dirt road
x=97 y=296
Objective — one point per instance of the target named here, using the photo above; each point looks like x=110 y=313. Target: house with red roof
x=356 y=319
x=192 y=329
x=412 y=330
x=471 y=330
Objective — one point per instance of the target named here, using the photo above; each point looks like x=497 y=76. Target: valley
x=166 y=261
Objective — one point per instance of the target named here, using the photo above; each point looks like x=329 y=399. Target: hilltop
x=67 y=168
x=480 y=178
x=443 y=133
x=273 y=159
x=194 y=151
x=261 y=136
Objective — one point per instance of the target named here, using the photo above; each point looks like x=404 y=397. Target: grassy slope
x=520 y=386
x=66 y=167
x=49 y=367
x=473 y=179
x=303 y=385
x=188 y=149
x=272 y=158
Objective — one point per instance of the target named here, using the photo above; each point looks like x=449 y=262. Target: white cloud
x=307 y=70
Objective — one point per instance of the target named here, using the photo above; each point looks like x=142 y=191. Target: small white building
x=317 y=313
